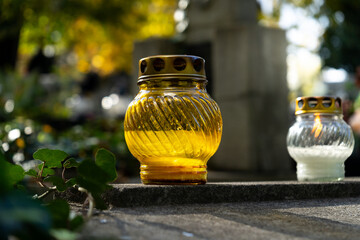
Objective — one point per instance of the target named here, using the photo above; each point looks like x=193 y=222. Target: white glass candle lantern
x=320 y=140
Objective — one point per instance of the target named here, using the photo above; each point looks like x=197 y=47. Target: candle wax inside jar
x=320 y=162
x=166 y=155
x=320 y=153
x=173 y=147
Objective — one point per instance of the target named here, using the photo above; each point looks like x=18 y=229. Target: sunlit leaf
x=52 y=158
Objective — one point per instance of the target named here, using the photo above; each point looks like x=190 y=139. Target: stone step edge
x=139 y=195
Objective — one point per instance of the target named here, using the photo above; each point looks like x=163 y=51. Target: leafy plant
x=100 y=33
x=21 y=214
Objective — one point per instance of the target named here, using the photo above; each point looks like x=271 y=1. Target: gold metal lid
x=170 y=66
x=318 y=105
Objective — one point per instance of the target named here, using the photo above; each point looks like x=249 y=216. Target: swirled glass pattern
x=320 y=143
x=173 y=131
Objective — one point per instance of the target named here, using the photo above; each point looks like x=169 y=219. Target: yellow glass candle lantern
x=173 y=126
x=320 y=140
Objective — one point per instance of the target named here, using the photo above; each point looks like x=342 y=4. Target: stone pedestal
x=249 y=68
x=205 y=17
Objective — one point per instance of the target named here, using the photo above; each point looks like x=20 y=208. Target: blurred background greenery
x=65 y=65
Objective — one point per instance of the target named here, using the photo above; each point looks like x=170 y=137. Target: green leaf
x=91 y=177
x=20 y=187
x=59 y=210
x=94 y=176
x=90 y=171
x=4 y=182
x=99 y=202
x=24 y=216
x=106 y=161
x=71 y=163
x=57 y=181
x=46 y=171
x=32 y=173
x=14 y=173
x=91 y=186
x=76 y=222
x=51 y=158
x=64 y=234
x=71 y=182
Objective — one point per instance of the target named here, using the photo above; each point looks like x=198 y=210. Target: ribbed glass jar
x=320 y=140
x=173 y=126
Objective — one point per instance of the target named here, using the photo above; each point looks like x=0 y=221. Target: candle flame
x=317 y=126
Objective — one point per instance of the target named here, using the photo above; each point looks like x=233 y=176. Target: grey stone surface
x=206 y=17
x=234 y=151
x=139 y=195
x=244 y=176
x=251 y=90
x=288 y=219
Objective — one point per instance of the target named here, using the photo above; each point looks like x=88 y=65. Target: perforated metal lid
x=318 y=105
x=169 y=66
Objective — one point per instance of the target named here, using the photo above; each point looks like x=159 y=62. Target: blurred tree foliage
x=340 y=47
x=92 y=35
x=272 y=19
x=64 y=40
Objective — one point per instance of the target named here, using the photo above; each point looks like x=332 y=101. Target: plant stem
x=40 y=175
x=52 y=189
x=41 y=171
x=40 y=183
x=91 y=205
x=63 y=171
x=89 y=199
x=63 y=174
